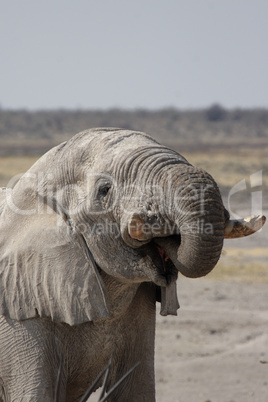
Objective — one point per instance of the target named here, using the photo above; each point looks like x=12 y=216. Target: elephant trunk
x=194 y=222
x=200 y=221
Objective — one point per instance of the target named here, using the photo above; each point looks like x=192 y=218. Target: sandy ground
x=216 y=349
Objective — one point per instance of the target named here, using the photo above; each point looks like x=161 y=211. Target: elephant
x=91 y=237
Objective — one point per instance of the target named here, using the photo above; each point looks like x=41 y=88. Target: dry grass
x=236 y=264
x=10 y=166
x=230 y=166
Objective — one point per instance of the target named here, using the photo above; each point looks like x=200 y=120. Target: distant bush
x=24 y=132
x=216 y=113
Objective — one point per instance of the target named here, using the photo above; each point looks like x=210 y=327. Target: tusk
x=147 y=227
x=144 y=230
x=136 y=227
x=243 y=227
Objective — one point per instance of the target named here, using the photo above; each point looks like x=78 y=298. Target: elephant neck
x=120 y=294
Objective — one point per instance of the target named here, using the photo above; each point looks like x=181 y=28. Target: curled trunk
x=200 y=224
x=193 y=232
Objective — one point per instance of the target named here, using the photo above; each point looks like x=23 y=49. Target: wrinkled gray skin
x=74 y=290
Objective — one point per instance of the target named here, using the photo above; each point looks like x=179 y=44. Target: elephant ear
x=46 y=268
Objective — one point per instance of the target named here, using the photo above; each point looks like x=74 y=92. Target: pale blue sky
x=135 y=53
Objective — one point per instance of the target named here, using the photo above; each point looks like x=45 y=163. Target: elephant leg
x=27 y=369
x=136 y=346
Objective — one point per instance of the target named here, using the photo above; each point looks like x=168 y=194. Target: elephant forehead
x=110 y=138
x=112 y=150
x=121 y=143
x=96 y=147
x=99 y=147
x=129 y=141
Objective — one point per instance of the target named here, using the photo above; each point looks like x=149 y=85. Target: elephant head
x=108 y=200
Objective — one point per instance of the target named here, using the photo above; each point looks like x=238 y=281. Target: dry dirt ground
x=216 y=349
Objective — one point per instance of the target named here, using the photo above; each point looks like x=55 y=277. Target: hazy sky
x=133 y=53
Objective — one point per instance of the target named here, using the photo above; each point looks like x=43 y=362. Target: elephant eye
x=103 y=190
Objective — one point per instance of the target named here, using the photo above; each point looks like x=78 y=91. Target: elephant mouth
x=168 y=269
x=165 y=271
x=166 y=275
